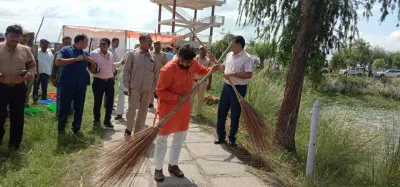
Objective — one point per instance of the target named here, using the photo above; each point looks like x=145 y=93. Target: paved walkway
x=203 y=163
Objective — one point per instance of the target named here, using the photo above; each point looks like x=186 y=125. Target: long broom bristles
x=257 y=127
x=126 y=159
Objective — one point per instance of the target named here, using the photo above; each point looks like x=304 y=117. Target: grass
x=49 y=160
x=358 y=137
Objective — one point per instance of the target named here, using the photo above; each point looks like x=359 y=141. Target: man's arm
x=67 y=61
x=30 y=64
x=127 y=70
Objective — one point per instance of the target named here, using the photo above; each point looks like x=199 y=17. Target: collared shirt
x=169 y=56
x=76 y=73
x=12 y=62
x=140 y=71
x=204 y=62
x=114 y=53
x=161 y=59
x=238 y=63
x=105 y=63
x=45 y=60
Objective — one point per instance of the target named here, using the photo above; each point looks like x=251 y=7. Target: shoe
x=158 y=175
x=219 y=141
x=232 y=144
x=118 y=117
x=151 y=105
x=127 y=132
x=96 y=123
x=175 y=170
x=108 y=125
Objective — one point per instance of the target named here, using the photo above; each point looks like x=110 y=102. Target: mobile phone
x=24 y=72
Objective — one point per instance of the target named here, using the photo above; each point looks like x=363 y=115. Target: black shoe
x=175 y=170
x=96 y=123
x=127 y=132
x=158 y=175
x=108 y=125
x=151 y=105
x=219 y=141
x=232 y=144
x=118 y=117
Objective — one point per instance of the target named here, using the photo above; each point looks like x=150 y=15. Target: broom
x=257 y=127
x=125 y=160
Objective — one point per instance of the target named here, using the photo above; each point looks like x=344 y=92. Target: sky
x=142 y=15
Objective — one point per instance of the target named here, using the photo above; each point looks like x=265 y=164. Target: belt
x=108 y=79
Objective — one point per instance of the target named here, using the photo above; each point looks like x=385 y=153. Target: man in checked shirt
x=140 y=80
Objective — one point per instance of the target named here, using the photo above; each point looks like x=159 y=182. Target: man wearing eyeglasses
x=103 y=82
x=140 y=80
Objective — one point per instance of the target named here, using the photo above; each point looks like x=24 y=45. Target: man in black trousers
x=17 y=64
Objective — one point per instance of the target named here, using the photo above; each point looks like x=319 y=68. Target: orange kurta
x=174 y=82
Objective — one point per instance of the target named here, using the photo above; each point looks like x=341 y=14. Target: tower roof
x=192 y=4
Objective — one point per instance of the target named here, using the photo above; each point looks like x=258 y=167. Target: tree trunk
x=312 y=12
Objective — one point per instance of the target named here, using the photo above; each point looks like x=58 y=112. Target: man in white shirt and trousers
x=238 y=67
x=45 y=63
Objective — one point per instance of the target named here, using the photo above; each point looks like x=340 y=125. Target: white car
x=389 y=73
x=359 y=71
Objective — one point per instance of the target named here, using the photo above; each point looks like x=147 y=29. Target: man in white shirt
x=204 y=61
x=45 y=64
x=238 y=67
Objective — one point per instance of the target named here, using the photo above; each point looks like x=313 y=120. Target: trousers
x=161 y=149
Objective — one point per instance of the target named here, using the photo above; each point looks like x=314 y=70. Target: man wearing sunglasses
x=103 y=82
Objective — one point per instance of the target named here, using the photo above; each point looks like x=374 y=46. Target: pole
x=312 y=145
x=159 y=18
x=173 y=16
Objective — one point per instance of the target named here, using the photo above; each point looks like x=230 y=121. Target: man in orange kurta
x=174 y=84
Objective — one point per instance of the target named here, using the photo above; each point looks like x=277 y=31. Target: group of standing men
x=146 y=73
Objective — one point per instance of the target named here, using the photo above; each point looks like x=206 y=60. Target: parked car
x=389 y=73
x=359 y=71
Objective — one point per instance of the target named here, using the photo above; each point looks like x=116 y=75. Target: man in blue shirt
x=169 y=53
x=73 y=80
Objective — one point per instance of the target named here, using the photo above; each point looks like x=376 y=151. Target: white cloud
x=390 y=42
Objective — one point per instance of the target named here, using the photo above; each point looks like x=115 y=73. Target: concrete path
x=203 y=163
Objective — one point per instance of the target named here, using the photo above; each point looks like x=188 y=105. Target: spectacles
x=103 y=44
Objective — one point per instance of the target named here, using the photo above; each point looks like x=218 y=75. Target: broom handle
x=235 y=90
x=194 y=89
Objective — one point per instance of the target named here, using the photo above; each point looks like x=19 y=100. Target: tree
x=306 y=26
x=262 y=50
x=379 y=63
x=396 y=59
x=219 y=47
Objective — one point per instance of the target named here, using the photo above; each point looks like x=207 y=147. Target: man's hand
x=80 y=58
x=90 y=59
x=228 y=75
x=216 y=67
x=184 y=99
x=27 y=76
